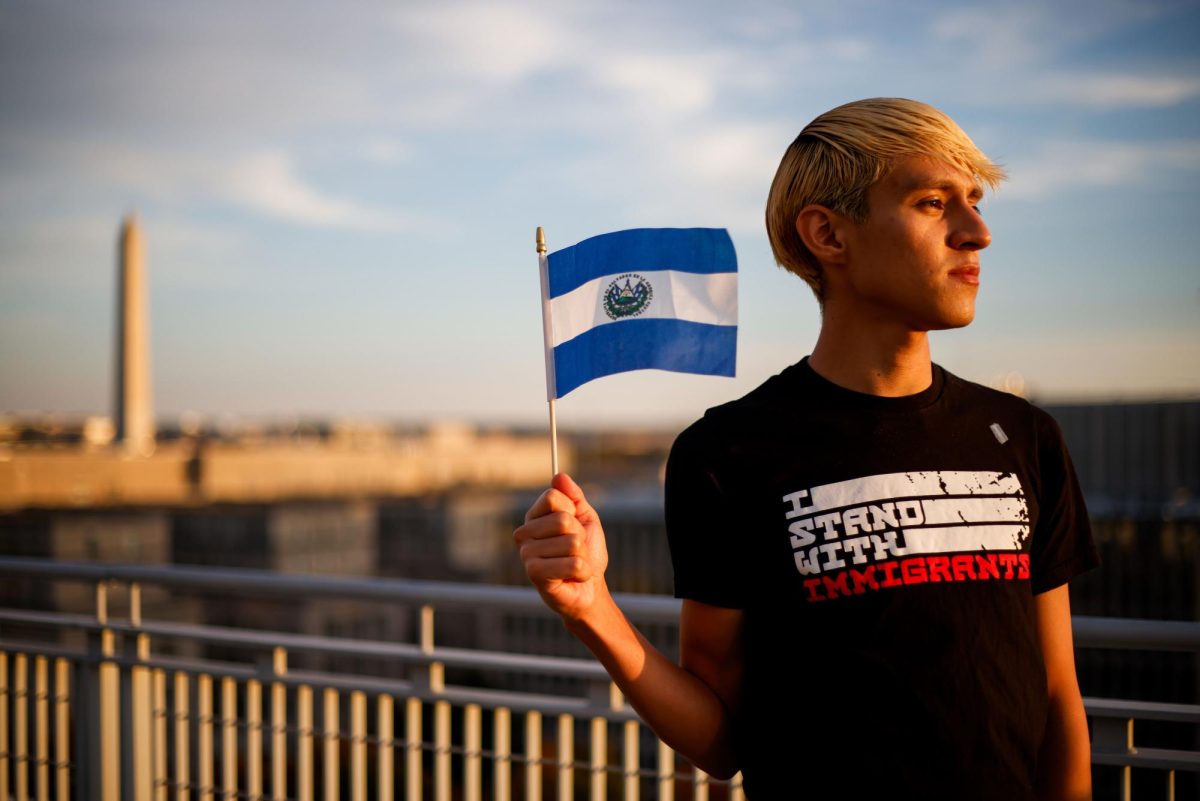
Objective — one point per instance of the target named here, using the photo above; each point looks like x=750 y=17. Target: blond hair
x=840 y=154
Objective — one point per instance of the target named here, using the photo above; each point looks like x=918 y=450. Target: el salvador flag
x=662 y=298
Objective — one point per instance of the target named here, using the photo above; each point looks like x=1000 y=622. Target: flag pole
x=546 y=336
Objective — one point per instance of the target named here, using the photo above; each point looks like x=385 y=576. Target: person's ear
x=822 y=231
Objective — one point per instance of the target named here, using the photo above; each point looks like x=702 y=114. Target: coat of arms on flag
x=646 y=298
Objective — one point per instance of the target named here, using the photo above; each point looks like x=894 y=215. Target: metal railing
x=89 y=710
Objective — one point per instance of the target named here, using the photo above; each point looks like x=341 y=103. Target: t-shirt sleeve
x=1062 y=542
x=700 y=525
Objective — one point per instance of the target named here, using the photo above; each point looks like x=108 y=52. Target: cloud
x=1118 y=91
x=268 y=183
x=583 y=59
x=1064 y=165
x=1033 y=34
x=387 y=151
x=1030 y=54
x=489 y=42
x=664 y=84
x=265 y=181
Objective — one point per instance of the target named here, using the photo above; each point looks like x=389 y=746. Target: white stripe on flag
x=697 y=297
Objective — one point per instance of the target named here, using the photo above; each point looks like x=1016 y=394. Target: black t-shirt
x=886 y=552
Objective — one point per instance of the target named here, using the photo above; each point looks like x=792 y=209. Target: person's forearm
x=1065 y=764
x=681 y=709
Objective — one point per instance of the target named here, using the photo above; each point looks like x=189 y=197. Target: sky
x=339 y=199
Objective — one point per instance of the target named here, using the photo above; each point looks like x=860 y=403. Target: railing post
x=631 y=765
x=229 y=739
x=21 y=725
x=279 y=668
x=254 y=742
x=699 y=785
x=502 y=750
x=205 y=756
x=4 y=696
x=441 y=751
x=98 y=736
x=607 y=695
x=735 y=788
x=158 y=685
x=434 y=673
x=62 y=725
x=472 y=753
x=182 y=704
x=598 y=764
x=666 y=773
x=331 y=718
x=358 y=746
x=385 y=712
x=41 y=713
x=136 y=711
x=1115 y=736
x=434 y=678
x=533 y=755
x=566 y=757
x=305 y=787
x=412 y=749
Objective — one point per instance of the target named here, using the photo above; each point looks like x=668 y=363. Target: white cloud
x=387 y=151
x=645 y=69
x=1032 y=34
x=1118 y=91
x=732 y=152
x=267 y=183
x=1065 y=165
x=1012 y=36
x=660 y=84
x=488 y=42
x=1024 y=49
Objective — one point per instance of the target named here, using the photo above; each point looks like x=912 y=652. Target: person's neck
x=876 y=361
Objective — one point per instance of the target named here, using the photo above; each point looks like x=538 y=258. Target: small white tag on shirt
x=1001 y=437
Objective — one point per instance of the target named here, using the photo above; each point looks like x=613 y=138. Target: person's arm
x=1064 y=764
x=563 y=549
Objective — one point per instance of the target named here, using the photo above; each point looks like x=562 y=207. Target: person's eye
x=932 y=203
x=978 y=210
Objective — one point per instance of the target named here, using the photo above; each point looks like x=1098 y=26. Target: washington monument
x=135 y=408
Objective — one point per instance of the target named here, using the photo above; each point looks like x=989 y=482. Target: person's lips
x=968 y=274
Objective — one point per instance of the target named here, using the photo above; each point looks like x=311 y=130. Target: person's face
x=915 y=260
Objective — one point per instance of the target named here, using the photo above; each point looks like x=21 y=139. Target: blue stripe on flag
x=688 y=250
x=663 y=344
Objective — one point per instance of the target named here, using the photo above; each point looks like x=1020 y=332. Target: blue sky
x=339 y=200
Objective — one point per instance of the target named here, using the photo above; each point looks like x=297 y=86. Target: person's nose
x=970 y=231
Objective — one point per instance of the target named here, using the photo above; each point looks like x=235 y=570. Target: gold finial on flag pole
x=542 y=268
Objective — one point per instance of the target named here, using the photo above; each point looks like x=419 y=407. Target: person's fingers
x=572 y=544
x=552 y=500
x=572 y=491
x=550 y=525
x=562 y=568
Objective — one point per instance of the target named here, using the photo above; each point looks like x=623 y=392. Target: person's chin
x=951 y=321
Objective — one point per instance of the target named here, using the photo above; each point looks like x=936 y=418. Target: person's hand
x=563 y=550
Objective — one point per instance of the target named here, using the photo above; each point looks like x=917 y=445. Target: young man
x=872 y=553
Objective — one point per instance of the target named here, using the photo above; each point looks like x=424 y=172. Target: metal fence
x=95 y=706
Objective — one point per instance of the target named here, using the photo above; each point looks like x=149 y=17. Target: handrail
x=1090 y=632
x=263 y=583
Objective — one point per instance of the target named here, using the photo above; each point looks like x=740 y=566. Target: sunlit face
x=915 y=260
